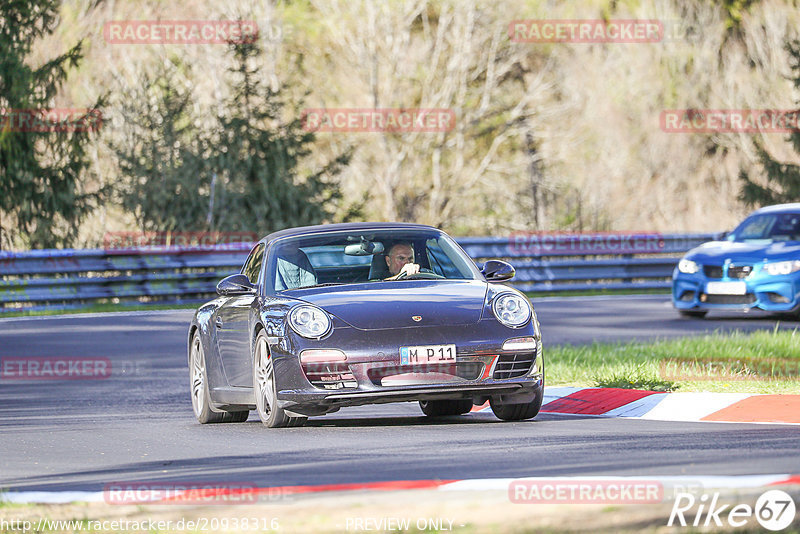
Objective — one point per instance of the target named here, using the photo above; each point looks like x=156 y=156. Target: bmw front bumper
x=766 y=292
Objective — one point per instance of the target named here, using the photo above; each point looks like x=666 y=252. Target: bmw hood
x=716 y=252
x=380 y=305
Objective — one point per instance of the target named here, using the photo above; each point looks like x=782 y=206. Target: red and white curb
x=679 y=406
x=220 y=494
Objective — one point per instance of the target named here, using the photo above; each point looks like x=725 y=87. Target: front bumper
x=765 y=292
x=309 y=403
x=373 y=373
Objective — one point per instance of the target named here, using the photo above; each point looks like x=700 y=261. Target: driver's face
x=398 y=256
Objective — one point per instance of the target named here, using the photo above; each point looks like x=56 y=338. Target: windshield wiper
x=321 y=285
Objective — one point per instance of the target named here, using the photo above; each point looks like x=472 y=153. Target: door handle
x=218 y=322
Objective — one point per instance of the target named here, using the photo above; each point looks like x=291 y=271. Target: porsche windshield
x=768 y=227
x=356 y=257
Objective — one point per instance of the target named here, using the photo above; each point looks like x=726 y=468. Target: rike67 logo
x=774 y=510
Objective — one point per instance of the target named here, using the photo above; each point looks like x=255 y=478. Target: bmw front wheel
x=695 y=314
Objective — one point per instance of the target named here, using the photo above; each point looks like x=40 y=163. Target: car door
x=233 y=329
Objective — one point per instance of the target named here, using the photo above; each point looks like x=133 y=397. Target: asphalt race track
x=137 y=424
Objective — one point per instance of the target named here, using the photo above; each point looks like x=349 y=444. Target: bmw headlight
x=782 y=267
x=309 y=321
x=688 y=266
x=511 y=309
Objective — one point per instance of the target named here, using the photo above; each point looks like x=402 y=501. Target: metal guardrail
x=61 y=279
x=580 y=262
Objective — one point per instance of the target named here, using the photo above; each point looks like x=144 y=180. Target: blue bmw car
x=757 y=265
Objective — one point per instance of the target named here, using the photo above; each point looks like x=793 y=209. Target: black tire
x=441 y=408
x=237 y=417
x=198 y=383
x=517 y=412
x=694 y=314
x=265 y=390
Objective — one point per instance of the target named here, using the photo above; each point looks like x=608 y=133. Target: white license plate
x=726 y=288
x=427 y=354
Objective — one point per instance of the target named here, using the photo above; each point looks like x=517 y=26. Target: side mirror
x=497 y=271
x=235 y=284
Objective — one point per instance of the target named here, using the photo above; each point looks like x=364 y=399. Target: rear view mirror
x=365 y=248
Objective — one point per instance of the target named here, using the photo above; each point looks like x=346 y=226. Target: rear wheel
x=201 y=400
x=693 y=313
x=517 y=412
x=265 y=389
x=440 y=408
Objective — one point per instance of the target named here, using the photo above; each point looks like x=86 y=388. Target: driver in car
x=400 y=261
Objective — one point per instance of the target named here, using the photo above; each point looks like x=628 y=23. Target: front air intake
x=513 y=365
x=332 y=375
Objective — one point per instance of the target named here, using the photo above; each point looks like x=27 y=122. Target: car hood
x=716 y=252
x=391 y=304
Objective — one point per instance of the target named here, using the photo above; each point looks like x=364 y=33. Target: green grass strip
x=759 y=362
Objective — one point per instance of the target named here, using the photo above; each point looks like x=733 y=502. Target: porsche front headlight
x=511 y=309
x=688 y=266
x=309 y=321
x=782 y=267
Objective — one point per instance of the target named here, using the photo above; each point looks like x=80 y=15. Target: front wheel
x=272 y=415
x=441 y=408
x=517 y=412
x=201 y=400
x=693 y=313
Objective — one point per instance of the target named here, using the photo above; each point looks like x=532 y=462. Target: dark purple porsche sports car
x=338 y=315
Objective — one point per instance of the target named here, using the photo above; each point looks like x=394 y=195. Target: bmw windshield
x=354 y=257
x=767 y=228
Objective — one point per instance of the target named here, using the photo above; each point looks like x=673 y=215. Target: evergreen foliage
x=42 y=196
x=241 y=173
x=782 y=179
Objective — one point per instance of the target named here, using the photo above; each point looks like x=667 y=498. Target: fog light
x=778 y=298
x=322 y=355
x=520 y=343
